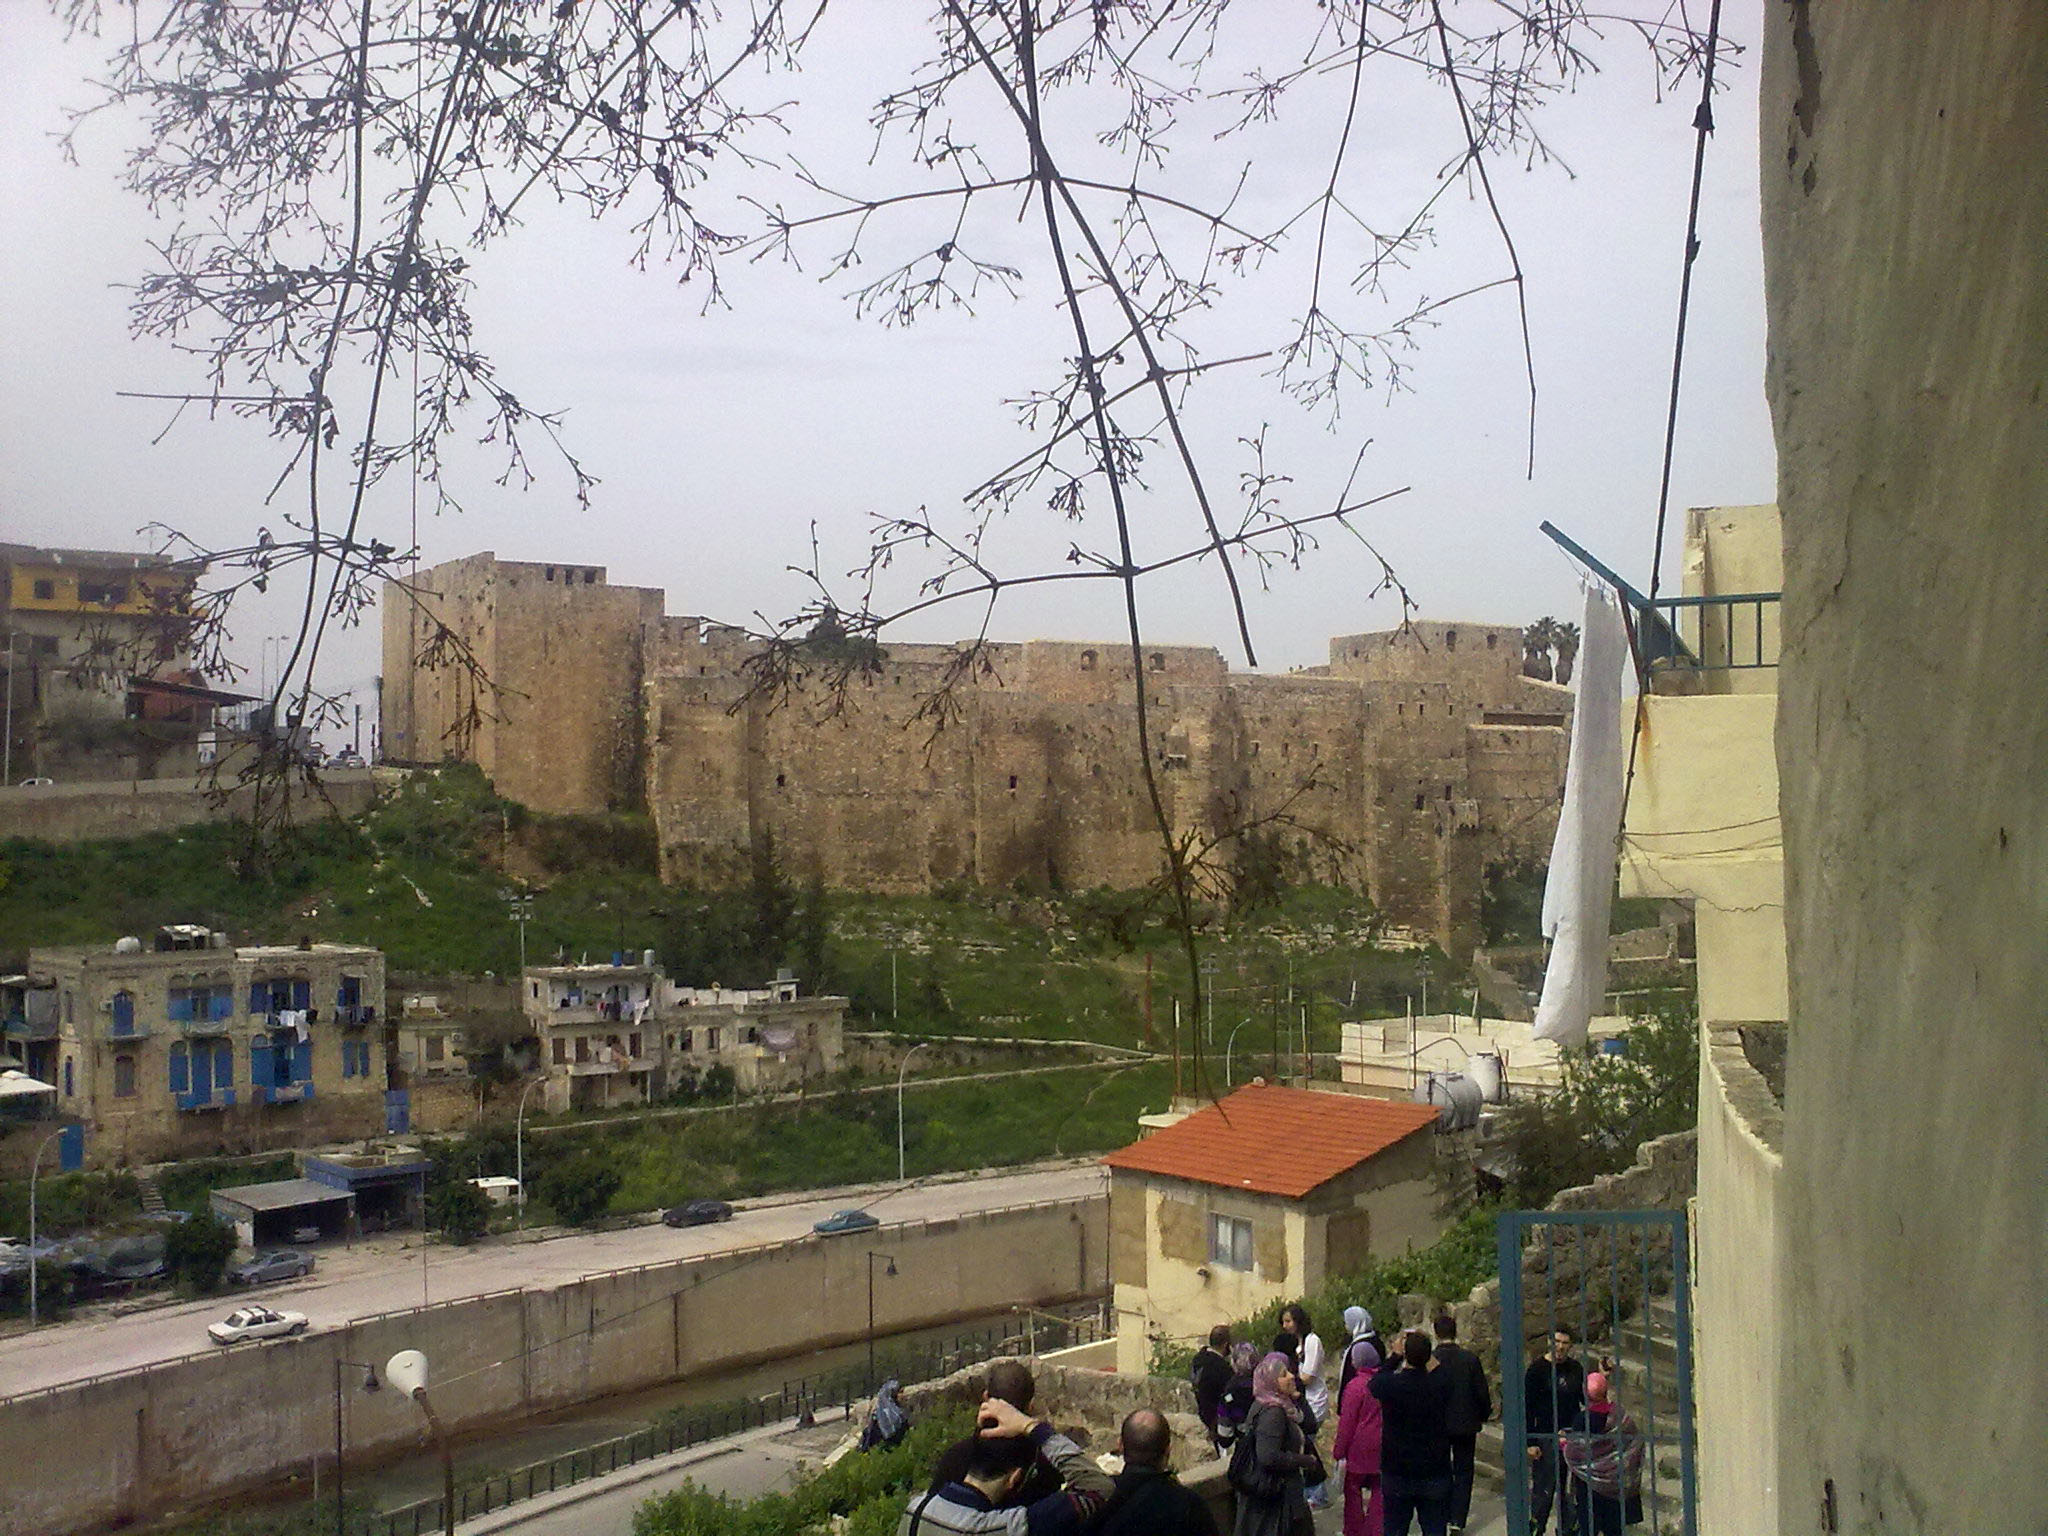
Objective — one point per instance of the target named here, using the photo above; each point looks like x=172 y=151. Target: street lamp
x=1228 y=1044
x=370 y=1384
x=519 y=908
x=520 y=1138
x=34 y=1167
x=407 y=1371
x=890 y=1272
x=901 y=1068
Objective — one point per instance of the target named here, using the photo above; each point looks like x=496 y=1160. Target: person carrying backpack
x=1270 y=1458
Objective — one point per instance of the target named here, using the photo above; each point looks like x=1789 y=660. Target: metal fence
x=1736 y=631
x=812 y=1397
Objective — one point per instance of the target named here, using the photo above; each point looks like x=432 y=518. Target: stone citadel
x=1418 y=755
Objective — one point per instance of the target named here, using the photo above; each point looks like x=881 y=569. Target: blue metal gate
x=397 y=1111
x=1617 y=1282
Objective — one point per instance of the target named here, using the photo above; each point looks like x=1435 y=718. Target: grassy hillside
x=421 y=877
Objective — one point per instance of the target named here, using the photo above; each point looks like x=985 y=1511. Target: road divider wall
x=141 y=1445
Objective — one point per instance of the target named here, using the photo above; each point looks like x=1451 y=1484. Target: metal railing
x=1732 y=632
x=793 y=1400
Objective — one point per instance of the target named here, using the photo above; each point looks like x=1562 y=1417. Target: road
x=390 y=1275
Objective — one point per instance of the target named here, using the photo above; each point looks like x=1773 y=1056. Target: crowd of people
x=1400 y=1448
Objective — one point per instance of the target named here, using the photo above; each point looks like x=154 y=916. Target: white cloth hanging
x=1578 y=894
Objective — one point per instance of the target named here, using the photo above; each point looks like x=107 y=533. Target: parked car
x=697 y=1213
x=846 y=1221
x=282 y=1264
x=255 y=1323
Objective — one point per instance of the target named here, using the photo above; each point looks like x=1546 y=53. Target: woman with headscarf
x=1236 y=1400
x=1358 y=1439
x=887 y=1422
x=1603 y=1458
x=1266 y=1466
x=1307 y=1357
x=1358 y=1323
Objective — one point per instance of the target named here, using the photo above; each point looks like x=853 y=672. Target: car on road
x=846 y=1221
x=255 y=1323
x=696 y=1213
x=281 y=1264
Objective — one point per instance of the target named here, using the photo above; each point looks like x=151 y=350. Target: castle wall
x=1407 y=764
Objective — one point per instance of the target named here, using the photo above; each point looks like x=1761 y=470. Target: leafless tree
x=332 y=166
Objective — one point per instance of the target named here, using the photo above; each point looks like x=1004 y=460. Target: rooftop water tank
x=1456 y=1097
x=647 y=958
x=1486 y=1071
x=128 y=945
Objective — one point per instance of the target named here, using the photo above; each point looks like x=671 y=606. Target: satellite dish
x=407 y=1371
x=779 y=1038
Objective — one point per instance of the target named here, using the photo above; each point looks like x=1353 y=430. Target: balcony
x=23 y=1029
x=117 y=1033
x=594 y=1068
x=201 y=1102
x=209 y=1027
x=1724 y=643
x=352 y=1014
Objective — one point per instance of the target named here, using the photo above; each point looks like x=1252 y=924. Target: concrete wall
x=177 y=1435
x=1734 y=1292
x=74 y=813
x=1905 y=155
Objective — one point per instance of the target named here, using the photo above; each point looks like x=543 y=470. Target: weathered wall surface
x=74 y=813
x=1734 y=1291
x=1905 y=154
x=1416 y=757
x=155 y=1441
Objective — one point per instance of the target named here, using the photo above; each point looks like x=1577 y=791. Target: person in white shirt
x=1298 y=1338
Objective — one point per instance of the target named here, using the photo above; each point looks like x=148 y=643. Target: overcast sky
x=719 y=438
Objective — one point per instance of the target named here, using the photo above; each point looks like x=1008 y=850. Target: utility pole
x=7 y=750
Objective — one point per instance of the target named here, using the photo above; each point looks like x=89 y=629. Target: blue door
x=1616 y=1282
x=397 y=1111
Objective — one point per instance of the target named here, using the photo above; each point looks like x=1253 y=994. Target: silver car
x=283 y=1264
x=255 y=1323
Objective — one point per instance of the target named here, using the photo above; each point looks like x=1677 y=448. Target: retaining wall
x=77 y=813
x=145 y=1444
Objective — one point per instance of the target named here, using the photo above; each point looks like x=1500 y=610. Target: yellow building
x=1702 y=827
x=188 y=1045
x=1261 y=1196
x=96 y=651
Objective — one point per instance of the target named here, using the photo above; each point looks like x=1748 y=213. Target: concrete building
x=1703 y=827
x=1261 y=1196
x=99 y=677
x=1417 y=755
x=626 y=1034
x=190 y=1045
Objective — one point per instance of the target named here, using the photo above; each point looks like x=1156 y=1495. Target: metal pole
x=520 y=1138
x=35 y=1167
x=893 y=1014
x=419 y=1396
x=7 y=750
x=871 y=1320
x=1226 y=1048
x=901 y=1068
x=339 y=1505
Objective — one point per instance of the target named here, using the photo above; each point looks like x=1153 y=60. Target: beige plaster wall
x=1905 y=155
x=1736 y=1321
x=157 y=1441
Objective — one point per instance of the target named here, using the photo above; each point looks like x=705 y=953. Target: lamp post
x=370 y=1384
x=1240 y=1024
x=520 y=1138
x=407 y=1371
x=902 y=1067
x=7 y=742
x=519 y=908
x=35 y=1167
x=891 y=1272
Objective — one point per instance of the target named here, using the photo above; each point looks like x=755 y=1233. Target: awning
x=19 y=1085
x=281 y=1195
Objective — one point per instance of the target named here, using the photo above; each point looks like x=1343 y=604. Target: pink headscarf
x=1266 y=1384
x=1596 y=1386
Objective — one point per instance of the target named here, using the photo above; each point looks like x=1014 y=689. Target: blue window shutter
x=223 y=1064
x=302 y=1061
x=124 y=1013
x=178 y=1075
x=179 y=1009
x=302 y=994
x=222 y=1003
x=259 y=998
x=260 y=1070
x=202 y=1074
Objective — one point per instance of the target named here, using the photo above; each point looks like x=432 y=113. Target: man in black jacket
x=1415 y=1447
x=1149 y=1500
x=1470 y=1404
x=1554 y=1390
x=1209 y=1374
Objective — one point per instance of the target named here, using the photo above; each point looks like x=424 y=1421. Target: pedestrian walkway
x=1489 y=1513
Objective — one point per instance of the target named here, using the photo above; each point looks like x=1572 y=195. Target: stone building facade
x=1416 y=755
x=188 y=1045
x=626 y=1034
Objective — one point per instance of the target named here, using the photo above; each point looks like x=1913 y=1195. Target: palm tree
x=1536 y=642
x=1566 y=640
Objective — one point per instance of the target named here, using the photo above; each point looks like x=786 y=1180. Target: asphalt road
x=388 y=1275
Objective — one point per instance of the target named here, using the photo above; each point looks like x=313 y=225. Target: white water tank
x=1456 y=1097
x=1486 y=1071
x=647 y=958
x=128 y=945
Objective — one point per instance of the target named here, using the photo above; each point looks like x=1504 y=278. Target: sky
x=722 y=438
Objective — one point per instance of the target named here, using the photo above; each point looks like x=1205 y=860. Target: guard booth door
x=1620 y=1282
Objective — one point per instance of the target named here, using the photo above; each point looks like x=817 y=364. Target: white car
x=255 y=1323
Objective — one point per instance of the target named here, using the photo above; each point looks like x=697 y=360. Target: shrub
x=460 y=1210
x=579 y=1189
x=196 y=1252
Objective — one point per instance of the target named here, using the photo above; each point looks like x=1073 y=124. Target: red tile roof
x=1276 y=1141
